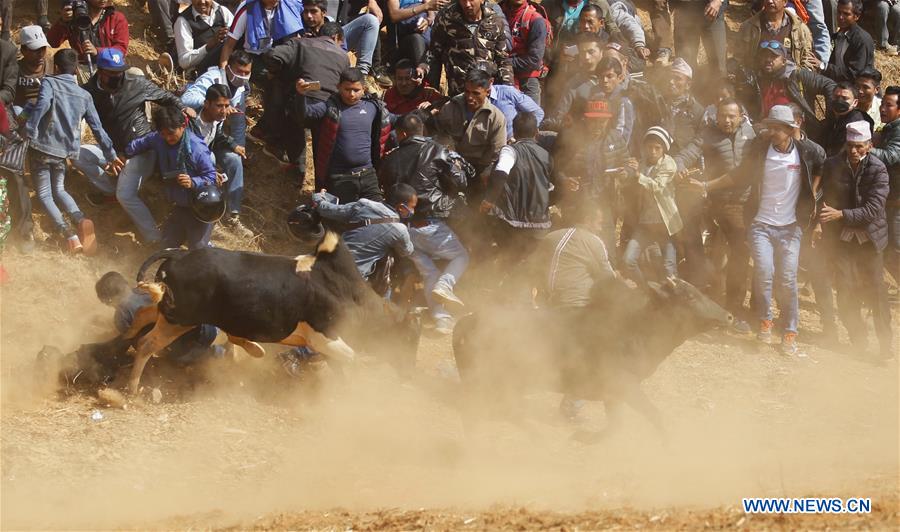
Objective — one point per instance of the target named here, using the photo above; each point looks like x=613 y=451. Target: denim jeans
x=49 y=174
x=642 y=237
x=820 y=34
x=691 y=27
x=182 y=228
x=91 y=162
x=233 y=166
x=362 y=36
x=237 y=122
x=531 y=87
x=888 y=17
x=436 y=241
x=776 y=253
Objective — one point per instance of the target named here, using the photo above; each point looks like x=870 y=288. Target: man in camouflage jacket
x=464 y=36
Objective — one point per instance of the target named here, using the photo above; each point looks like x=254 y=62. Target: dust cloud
x=251 y=442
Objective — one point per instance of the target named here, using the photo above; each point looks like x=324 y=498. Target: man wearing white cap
x=854 y=225
x=783 y=171
x=32 y=67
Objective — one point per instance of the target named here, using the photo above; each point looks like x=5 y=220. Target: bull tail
x=165 y=254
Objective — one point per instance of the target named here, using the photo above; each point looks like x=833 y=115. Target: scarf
x=571 y=14
x=285 y=22
x=183 y=156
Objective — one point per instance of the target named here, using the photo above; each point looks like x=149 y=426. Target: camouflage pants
x=5 y=224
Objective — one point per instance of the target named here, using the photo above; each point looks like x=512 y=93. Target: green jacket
x=659 y=179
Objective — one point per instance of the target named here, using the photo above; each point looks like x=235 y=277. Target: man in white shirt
x=262 y=24
x=200 y=32
x=784 y=170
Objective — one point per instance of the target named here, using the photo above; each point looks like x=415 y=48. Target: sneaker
x=789 y=345
x=26 y=244
x=74 y=245
x=446 y=296
x=382 y=78
x=233 y=223
x=87 y=237
x=443 y=326
x=663 y=57
x=765 y=331
x=98 y=199
x=889 y=49
x=166 y=64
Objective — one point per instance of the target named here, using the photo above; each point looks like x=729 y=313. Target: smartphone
x=313 y=85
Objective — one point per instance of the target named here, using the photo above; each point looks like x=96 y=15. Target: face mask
x=840 y=106
x=234 y=79
x=114 y=82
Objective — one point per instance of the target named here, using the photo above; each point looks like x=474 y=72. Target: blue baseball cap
x=111 y=59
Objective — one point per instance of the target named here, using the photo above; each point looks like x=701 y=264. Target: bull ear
x=658 y=290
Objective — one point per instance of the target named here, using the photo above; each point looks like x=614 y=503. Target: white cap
x=32 y=37
x=681 y=66
x=859 y=131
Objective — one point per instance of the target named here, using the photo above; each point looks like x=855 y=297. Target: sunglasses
x=772 y=45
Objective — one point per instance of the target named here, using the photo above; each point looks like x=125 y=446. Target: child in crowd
x=657 y=216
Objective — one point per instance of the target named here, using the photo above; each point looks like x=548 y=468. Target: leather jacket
x=436 y=173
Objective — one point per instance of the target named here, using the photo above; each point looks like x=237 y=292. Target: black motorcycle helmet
x=207 y=204
x=304 y=224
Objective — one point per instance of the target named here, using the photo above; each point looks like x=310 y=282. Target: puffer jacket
x=888 y=151
x=721 y=153
x=860 y=198
x=430 y=168
x=753 y=168
x=122 y=112
x=748 y=39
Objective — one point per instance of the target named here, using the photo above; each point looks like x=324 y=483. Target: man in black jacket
x=319 y=59
x=854 y=49
x=120 y=99
x=841 y=111
x=855 y=187
x=437 y=177
x=21 y=201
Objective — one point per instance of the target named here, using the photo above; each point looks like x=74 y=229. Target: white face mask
x=234 y=79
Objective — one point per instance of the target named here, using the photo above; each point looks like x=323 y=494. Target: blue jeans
x=776 y=253
x=888 y=17
x=182 y=228
x=237 y=122
x=49 y=174
x=820 y=34
x=91 y=162
x=436 y=241
x=233 y=166
x=362 y=36
x=642 y=237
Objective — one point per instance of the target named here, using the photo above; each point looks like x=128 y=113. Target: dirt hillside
x=246 y=447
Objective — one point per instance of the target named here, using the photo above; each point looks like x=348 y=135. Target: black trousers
x=730 y=220
x=351 y=187
x=859 y=278
x=19 y=204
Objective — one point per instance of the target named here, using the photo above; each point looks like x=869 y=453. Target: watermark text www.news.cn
x=807 y=505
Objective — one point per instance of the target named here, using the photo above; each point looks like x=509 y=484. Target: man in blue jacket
x=185 y=163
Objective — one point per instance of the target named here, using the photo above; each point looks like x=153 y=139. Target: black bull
x=600 y=352
x=318 y=300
